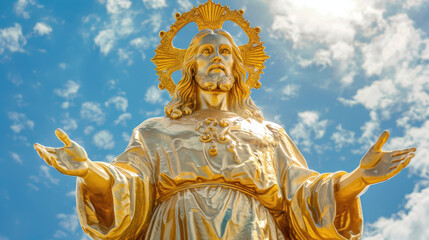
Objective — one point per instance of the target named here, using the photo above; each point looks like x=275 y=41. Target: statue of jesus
x=212 y=168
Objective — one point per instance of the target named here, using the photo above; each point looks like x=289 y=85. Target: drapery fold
x=289 y=201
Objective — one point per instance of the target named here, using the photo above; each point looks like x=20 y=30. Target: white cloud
x=309 y=127
x=416 y=136
x=42 y=29
x=46 y=175
x=399 y=42
x=313 y=20
x=19 y=98
x=155 y=21
x=143 y=42
x=153 y=95
x=92 y=112
x=60 y=234
x=62 y=65
x=16 y=157
x=125 y=56
x=20 y=122
x=109 y=158
x=405 y=94
x=121 y=103
x=105 y=40
x=185 y=5
x=2 y=237
x=115 y=6
x=12 y=39
x=104 y=140
x=69 y=224
x=412 y=3
x=122 y=119
x=88 y=130
x=411 y=223
x=68 y=122
x=72 y=193
x=290 y=91
x=342 y=137
x=126 y=137
x=155 y=3
x=14 y=78
x=121 y=25
x=69 y=92
x=20 y=8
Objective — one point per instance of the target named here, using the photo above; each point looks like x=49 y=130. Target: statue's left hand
x=378 y=166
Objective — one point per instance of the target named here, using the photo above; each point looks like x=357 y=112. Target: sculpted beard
x=215 y=81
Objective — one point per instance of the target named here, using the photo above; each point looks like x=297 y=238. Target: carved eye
x=206 y=51
x=225 y=51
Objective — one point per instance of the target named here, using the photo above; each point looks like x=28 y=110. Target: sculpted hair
x=184 y=96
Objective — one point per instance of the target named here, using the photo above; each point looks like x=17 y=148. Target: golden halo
x=169 y=59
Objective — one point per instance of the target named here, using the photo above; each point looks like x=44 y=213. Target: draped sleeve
x=311 y=210
x=125 y=211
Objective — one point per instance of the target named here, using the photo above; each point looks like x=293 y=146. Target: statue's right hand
x=70 y=160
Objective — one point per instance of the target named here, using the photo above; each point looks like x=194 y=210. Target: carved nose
x=216 y=59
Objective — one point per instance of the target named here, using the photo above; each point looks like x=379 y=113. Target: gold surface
x=169 y=59
x=212 y=169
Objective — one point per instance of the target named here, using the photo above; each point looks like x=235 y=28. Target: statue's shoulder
x=274 y=128
x=154 y=123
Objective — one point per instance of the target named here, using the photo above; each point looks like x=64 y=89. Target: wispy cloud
x=46 y=174
x=16 y=157
x=20 y=122
x=126 y=136
x=68 y=122
x=88 y=130
x=121 y=25
x=103 y=139
x=42 y=29
x=290 y=91
x=400 y=42
x=155 y=3
x=115 y=6
x=120 y=103
x=309 y=127
x=185 y=5
x=342 y=137
x=12 y=39
x=410 y=223
x=20 y=8
x=92 y=112
x=2 y=237
x=69 y=224
x=122 y=119
x=69 y=92
x=62 y=65
x=153 y=95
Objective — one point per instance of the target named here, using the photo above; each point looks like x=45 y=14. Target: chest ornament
x=215 y=132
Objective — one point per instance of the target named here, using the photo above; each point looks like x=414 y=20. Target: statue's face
x=214 y=63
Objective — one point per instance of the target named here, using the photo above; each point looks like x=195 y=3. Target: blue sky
x=340 y=72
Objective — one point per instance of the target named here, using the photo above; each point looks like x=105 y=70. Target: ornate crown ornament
x=169 y=59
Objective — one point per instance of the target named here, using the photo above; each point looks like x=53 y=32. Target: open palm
x=70 y=159
x=378 y=165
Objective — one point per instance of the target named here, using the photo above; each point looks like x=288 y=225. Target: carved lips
x=217 y=66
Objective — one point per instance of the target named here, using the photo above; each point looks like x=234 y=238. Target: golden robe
x=168 y=185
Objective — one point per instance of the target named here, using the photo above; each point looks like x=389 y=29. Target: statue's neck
x=212 y=100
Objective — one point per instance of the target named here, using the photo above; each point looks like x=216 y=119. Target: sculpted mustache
x=217 y=66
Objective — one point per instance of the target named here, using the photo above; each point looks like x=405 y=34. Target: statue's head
x=213 y=62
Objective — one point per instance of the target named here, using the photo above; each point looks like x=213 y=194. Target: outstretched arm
x=72 y=160
x=376 y=166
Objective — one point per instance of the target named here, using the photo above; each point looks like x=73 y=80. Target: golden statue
x=212 y=168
